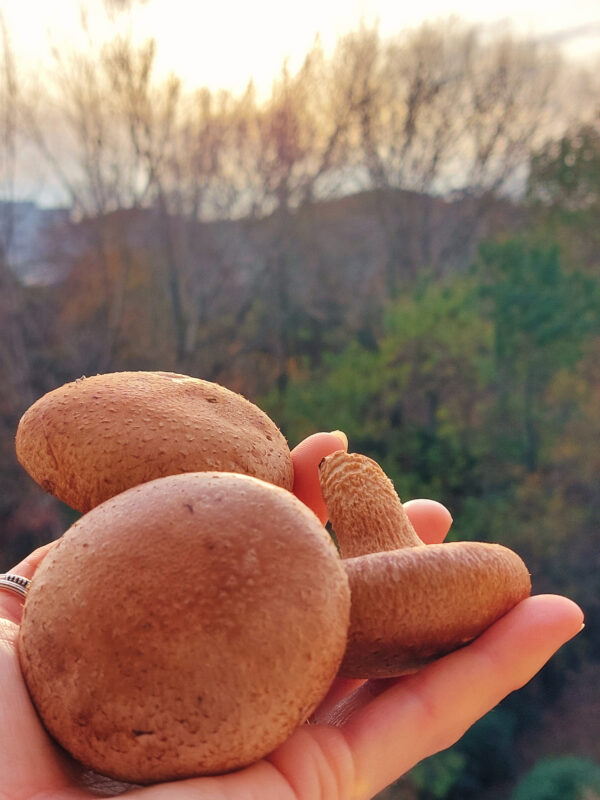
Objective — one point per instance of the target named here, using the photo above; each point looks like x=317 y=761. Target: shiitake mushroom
x=184 y=627
x=95 y=437
x=411 y=602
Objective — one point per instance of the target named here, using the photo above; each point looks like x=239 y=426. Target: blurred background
x=362 y=217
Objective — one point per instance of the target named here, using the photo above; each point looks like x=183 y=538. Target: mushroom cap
x=413 y=605
x=184 y=627
x=95 y=437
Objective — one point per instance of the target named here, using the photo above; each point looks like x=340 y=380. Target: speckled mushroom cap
x=95 y=437
x=411 y=602
x=414 y=605
x=184 y=627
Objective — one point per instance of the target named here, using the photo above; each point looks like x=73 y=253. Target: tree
x=565 y=173
x=440 y=110
x=14 y=357
x=27 y=518
x=136 y=143
x=413 y=399
x=84 y=139
x=299 y=142
x=563 y=192
x=541 y=315
x=561 y=778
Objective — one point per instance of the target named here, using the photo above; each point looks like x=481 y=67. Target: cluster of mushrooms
x=197 y=612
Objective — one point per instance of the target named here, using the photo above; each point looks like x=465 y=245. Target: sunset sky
x=234 y=40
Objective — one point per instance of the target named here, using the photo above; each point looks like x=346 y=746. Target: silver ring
x=15 y=583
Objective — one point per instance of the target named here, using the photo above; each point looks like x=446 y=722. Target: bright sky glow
x=225 y=43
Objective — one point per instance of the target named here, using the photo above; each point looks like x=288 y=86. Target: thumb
x=306 y=458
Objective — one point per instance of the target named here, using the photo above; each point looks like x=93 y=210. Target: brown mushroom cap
x=91 y=439
x=411 y=602
x=414 y=605
x=184 y=627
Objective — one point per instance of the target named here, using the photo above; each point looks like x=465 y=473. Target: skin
x=363 y=736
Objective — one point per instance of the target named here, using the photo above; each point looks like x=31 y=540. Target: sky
x=224 y=43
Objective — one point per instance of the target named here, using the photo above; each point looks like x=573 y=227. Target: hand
x=363 y=736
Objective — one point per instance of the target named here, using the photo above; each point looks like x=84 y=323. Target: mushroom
x=411 y=602
x=184 y=627
x=95 y=437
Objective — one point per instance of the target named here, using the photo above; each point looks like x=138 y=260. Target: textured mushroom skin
x=95 y=437
x=184 y=627
x=364 y=509
x=433 y=599
x=411 y=602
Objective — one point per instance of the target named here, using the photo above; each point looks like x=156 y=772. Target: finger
x=430 y=519
x=306 y=458
x=28 y=754
x=424 y=713
x=30 y=563
x=11 y=606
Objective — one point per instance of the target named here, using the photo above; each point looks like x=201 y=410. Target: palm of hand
x=363 y=736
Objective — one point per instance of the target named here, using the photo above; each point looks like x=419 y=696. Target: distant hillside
x=357 y=236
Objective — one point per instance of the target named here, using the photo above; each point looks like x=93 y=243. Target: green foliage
x=489 y=751
x=456 y=398
x=541 y=316
x=485 y=756
x=563 y=194
x=438 y=775
x=565 y=174
x=540 y=312
x=409 y=401
x=562 y=778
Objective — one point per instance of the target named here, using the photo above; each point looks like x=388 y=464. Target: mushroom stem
x=365 y=511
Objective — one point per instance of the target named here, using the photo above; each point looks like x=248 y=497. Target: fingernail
x=342 y=437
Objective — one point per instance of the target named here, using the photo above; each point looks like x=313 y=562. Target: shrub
x=561 y=778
